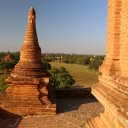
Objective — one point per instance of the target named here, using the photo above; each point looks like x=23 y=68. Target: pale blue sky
x=63 y=26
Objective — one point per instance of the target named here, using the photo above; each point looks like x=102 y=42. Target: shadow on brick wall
x=9 y=120
x=72 y=99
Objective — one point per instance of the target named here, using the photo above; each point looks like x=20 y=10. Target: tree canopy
x=61 y=78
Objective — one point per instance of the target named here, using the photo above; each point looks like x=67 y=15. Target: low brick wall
x=74 y=93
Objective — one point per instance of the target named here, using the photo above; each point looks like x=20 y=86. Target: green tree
x=80 y=60
x=3 y=85
x=7 y=64
x=95 y=64
x=47 y=66
x=15 y=56
x=1 y=54
x=61 y=78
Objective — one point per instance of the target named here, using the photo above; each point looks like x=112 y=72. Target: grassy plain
x=81 y=73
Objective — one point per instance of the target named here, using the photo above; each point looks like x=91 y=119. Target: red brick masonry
x=29 y=84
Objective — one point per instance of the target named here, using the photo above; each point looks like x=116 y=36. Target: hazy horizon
x=68 y=26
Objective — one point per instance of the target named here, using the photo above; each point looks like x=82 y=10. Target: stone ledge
x=74 y=93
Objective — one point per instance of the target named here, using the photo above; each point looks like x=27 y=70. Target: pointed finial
x=32 y=11
x=31 y=15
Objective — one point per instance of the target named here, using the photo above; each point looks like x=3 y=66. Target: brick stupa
x=29 y=84
x=112 y=89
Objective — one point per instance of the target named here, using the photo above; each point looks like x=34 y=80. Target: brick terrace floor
x=71 y=113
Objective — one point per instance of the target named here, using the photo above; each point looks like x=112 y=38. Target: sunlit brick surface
x=112 y=89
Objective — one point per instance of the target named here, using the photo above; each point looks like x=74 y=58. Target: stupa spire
x=30 y=64
x=31 y=34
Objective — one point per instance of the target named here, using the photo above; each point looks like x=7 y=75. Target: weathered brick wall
x=112 y=89
x=113 y=32
x=124 y=39
x=111 y=64
x=117 y=41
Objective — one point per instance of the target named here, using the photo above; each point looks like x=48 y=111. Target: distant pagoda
x=29 y=84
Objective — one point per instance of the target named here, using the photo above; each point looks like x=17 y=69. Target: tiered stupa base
x=28 y=98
